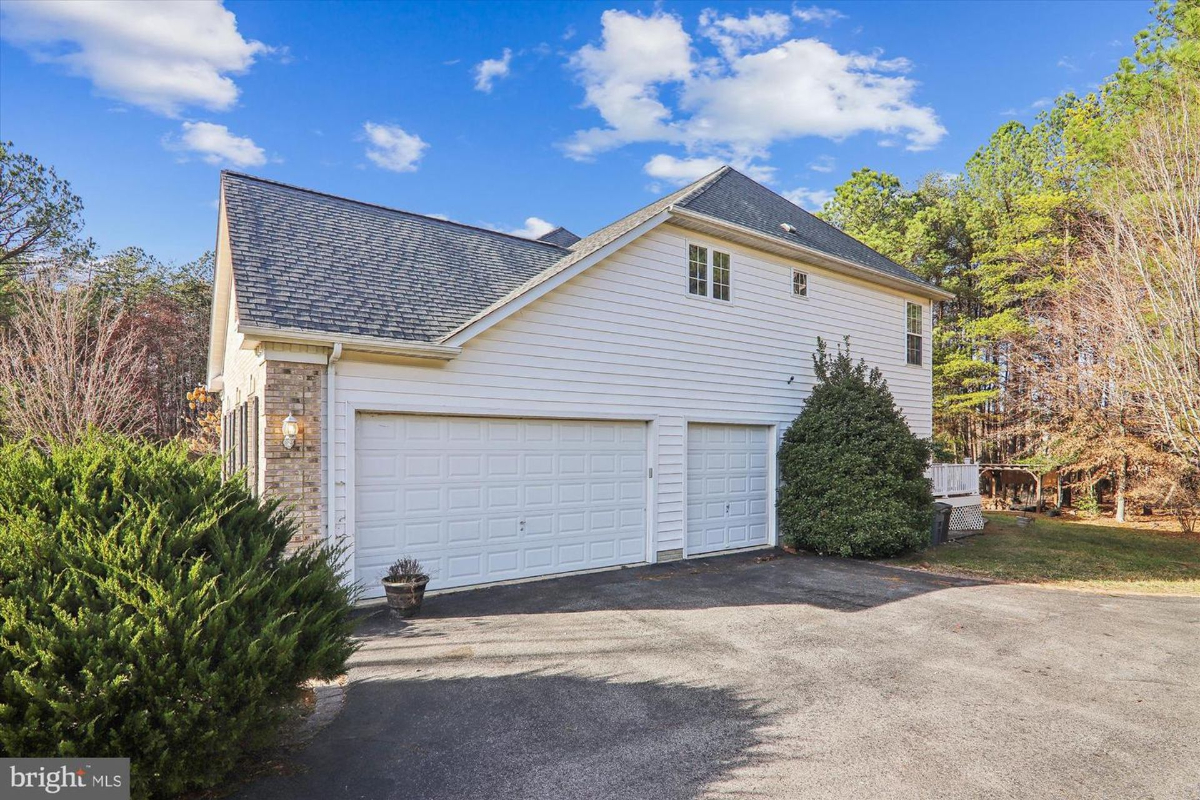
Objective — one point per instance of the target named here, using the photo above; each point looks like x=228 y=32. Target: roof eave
x=704 y=223
x=256 y=334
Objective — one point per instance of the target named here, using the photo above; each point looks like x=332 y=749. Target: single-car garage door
x=479 y=499
x=726 y=486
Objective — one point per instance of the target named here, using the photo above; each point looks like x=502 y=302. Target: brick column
x=295 y=476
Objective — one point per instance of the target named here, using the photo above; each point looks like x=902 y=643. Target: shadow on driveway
x=532 y=736
x=759 y=577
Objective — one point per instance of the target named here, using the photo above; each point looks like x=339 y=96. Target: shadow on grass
x=532 y=736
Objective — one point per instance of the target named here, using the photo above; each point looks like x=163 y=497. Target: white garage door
x=480 y=499
x=727 y=487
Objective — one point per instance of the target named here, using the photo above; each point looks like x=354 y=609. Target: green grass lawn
x=1071 y=554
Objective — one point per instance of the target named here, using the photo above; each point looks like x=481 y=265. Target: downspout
x=330 y=448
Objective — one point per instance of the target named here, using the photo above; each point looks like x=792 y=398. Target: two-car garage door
x=479 y=499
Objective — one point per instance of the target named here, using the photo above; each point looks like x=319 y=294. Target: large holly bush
x=148 y=610
x=852 y=473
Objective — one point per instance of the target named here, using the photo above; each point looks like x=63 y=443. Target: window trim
x=909 y=334
x=703 y=282
x=807 y=283
x=709 y=250
x=712 y=271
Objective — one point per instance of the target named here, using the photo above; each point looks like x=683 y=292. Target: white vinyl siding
x=621 y=341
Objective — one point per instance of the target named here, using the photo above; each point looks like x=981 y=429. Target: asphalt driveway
x=752 y=677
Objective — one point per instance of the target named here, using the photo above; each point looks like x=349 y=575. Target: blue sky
x=510 y=115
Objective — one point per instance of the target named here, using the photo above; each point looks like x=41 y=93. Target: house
x=504 y=408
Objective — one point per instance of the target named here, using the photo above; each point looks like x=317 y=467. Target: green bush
x=852 y=473
x=148 y=611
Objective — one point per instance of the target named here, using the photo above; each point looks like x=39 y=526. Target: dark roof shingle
x=735 y=198
x=560 y=236
x=315 y=262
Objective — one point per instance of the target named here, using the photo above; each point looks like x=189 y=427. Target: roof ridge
x=706 y=183
x=822 y=222
x=382 y=207
x=781 y=197
x=680 y=195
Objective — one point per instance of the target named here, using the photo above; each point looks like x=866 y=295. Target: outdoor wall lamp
x=290 y=428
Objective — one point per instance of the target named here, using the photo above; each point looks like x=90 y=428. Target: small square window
x=698 y=270
x=799 y=283
x=720 y=275
x=913 y=338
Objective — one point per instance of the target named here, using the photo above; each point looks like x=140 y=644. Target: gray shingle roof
x=735 y=198
x=314 y=262
x=560 y=236
x=319 y=263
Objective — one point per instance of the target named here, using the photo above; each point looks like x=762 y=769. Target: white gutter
x=365 y=344
x=818 y=257
x=330 y=448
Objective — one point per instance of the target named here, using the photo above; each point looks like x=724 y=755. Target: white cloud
x=736 y=105
x=679 y=171
x=812 y=199
x=488 y=71
x=843 y=94
x=1068 y=63
x=621 y=77
x=533 y=228
x=825 y=16
x=393 y=148
x=158 y=54
x=216 y=145
x=825 y=163
x=732 y=34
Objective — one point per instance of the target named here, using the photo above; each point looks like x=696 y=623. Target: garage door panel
x=505 y=465
x=726 y=487
x=502 y=529
x=572 y=493
x=417 y=536
x=462 y=465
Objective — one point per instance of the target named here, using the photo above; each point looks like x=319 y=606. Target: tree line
x=1072 y=247
x=115 y=341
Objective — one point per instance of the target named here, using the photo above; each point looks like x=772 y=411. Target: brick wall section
x=295 y=476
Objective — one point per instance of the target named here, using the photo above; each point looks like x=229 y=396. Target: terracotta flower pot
x=404 y=597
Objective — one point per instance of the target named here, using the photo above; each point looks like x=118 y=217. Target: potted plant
x=404 y=584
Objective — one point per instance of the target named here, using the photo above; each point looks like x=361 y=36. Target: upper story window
x=913 y=327
x=720 y=275
x=700 y=261
x=698 y=270
x=799 y=283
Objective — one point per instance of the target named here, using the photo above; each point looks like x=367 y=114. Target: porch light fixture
x=290 y=429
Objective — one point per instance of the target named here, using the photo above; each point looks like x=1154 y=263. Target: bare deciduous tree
x=68 y=366
x=1147 y=267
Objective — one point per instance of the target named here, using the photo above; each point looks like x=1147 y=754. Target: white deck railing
x=950 y=480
